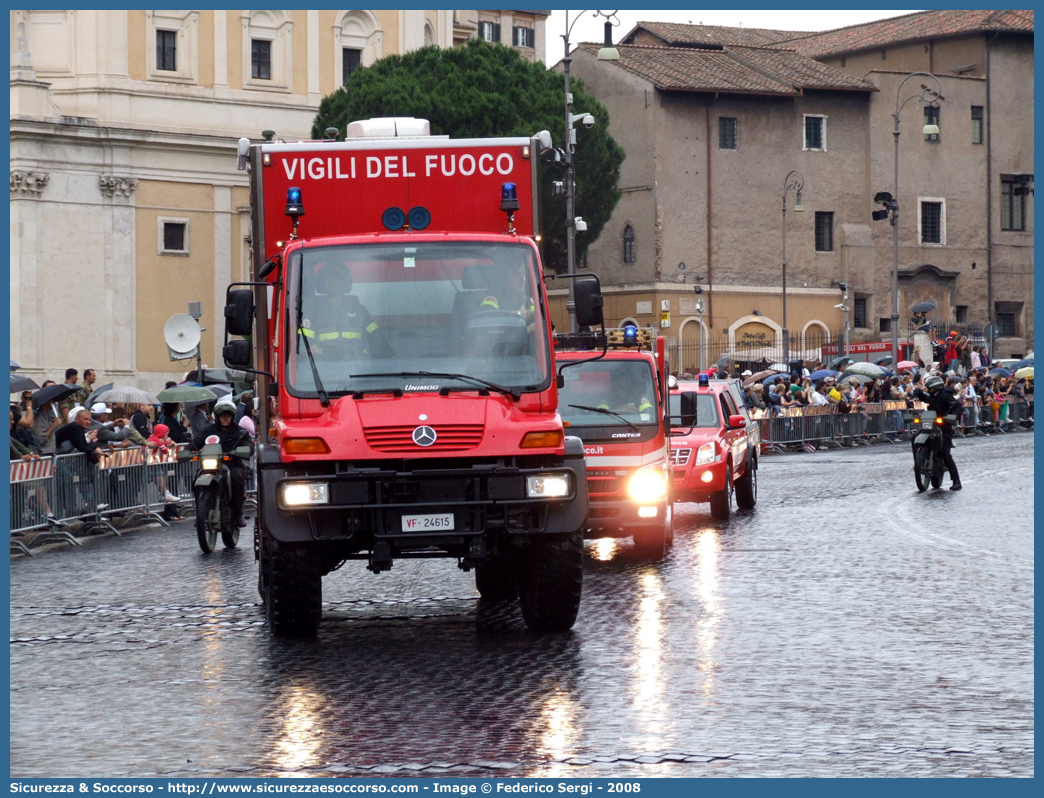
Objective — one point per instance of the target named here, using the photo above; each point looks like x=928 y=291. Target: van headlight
x=706 y=454
x=648 y=485
x=547 y=486
x=209 y=464
x=304 y=494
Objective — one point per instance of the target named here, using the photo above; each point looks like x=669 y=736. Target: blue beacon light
x=630 y=334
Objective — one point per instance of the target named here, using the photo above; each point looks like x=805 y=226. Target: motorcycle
x=928 y=443
x=213 y=492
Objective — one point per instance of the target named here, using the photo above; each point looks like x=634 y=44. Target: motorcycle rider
x=231 y=436
x=941 y=399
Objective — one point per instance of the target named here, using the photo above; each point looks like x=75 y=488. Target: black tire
x=747 y=487
x=721 y=502
x=230 y=529
x=550 y=581
x=653 y=541
x=937 y=477
x=294 y=588
x=206 y=528
x=495 y=579
x=923 y=467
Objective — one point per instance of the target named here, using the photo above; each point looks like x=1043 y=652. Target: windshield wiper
x=324 y=397
x=603 y=411
x=514 y=393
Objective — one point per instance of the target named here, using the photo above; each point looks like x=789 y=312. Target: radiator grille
x=448 y=438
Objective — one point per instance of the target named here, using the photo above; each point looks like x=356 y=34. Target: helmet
x=224 y=406
x=934 y=384
x=335 y=278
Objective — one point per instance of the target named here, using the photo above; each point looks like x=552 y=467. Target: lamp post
x=929 y=96
x=794 y=180
x=606 y=53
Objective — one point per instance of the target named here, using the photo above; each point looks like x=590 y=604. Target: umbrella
x=20 y=383
x=1022 y=364
x=1000 y=371
x=870 y=369
x=822 y=374
x=923 y=307
x=95 y=394
x=758 y=377
x=218 y=375
x=841 y=362
x=1026 y=372
x=772 y=378
x=186 y=393
x=219 y=391
x=855 y=375
x=127 y=396
x=907 y=364
x=14 y=366
x=53 y=393
x=780 y=367
x=885 y=360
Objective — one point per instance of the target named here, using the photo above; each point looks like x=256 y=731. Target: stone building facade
x=126 y=204
x=714 y=119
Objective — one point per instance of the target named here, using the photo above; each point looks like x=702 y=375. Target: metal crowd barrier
x=51 y=494
x=810 y=427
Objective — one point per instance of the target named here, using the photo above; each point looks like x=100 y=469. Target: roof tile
x=679 y=34
x=911 y=27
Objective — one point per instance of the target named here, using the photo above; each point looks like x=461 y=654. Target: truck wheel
x=550 y=581
x=495 y=579
x=747 y=487
x=653 y=542
x=294 y=586
x=721 y=502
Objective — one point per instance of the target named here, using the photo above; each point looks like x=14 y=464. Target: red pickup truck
x=716 y=459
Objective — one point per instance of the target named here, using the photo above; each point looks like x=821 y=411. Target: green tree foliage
x=486 y=90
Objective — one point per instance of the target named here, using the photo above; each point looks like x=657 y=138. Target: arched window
x=358 y=41
x=429 y=34
x=628 y=244
x=267 y=50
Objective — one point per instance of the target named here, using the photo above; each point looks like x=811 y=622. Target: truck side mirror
x=237 y=353
x=239 y=312
x=682 y=408
x=587 y=294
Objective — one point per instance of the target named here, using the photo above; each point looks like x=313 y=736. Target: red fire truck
x=398 y=322
x=616 y=403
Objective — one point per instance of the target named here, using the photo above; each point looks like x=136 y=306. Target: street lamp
x=928 y=96
x=794 y=180
x=606 y=53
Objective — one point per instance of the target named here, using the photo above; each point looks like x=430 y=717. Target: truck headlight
x=706 y=454
x=303 y=494
x=209 y=464
x=547 y=486
x=647 y=485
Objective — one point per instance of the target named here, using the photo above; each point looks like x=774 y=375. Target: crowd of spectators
x=68 y=426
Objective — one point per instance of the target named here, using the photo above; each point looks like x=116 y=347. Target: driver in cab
x=230 y=435
x=338 y=325
x=628 y=395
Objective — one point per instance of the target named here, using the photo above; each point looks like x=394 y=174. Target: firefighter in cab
x=338 y=325
x=627 y=395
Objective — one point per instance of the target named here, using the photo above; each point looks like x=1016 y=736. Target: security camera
x=543 y=138
x=580 y=224
x=589 y=121
x=841 y=306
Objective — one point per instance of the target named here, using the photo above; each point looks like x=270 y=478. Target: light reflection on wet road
x=849 y=626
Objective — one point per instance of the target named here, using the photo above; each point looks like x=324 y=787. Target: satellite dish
x=181 y=332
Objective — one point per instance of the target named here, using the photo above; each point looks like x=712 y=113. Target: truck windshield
x=392 y=311
x=605 y=393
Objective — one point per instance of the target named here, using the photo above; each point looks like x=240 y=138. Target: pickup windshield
x=608 y=393
x=461 y=310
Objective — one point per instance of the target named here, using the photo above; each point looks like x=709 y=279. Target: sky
x=590 y=29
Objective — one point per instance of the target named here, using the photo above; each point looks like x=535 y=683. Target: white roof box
x=387 y=128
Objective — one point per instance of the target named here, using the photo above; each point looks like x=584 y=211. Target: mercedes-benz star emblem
x=424 y=436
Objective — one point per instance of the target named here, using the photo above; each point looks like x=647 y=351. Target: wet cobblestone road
x=849 y=627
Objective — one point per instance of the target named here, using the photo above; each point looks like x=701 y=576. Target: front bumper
x=618 y=518
x=690 y=484
x=367 y=501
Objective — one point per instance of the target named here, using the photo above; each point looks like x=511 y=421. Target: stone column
x=119 y=261
x=26 y=189
x=222 y=270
